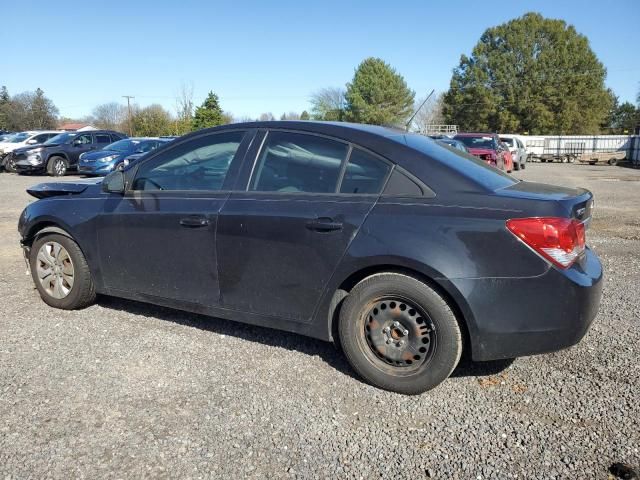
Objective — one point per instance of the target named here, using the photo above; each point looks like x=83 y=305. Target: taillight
x=560 y=240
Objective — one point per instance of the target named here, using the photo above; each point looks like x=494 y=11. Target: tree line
x=530 y=75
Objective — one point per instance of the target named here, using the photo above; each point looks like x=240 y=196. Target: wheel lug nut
x=389 y=341
x=395 y=324
x=405 y=332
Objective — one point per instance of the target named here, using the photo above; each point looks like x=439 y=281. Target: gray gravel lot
x=127 y=390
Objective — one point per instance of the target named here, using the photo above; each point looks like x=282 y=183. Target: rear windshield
x=508 y=141
x=478 y=142
x=460 y=161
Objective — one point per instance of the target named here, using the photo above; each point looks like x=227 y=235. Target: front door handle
x=324 y=224
x=194 y=221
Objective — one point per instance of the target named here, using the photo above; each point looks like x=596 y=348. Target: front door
x=83 y=142
x=280 y=240
x=158 y=240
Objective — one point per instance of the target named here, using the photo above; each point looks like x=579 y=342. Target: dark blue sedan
x=106 y=160
x=406 y=252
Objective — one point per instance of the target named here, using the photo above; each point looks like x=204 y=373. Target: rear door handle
x=194 y=221
x=324 y=224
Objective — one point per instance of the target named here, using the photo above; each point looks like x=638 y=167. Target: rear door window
x=297 y=162
x=364 y=174
x=103 y=139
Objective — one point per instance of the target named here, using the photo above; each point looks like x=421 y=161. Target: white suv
x=23 y=139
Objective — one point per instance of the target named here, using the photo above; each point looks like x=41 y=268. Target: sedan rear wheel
x=60 y=272
x=399 y=334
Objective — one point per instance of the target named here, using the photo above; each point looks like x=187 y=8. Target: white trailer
x=569 y=148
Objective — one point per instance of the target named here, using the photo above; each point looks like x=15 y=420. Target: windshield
x=18 y=137
x=62 y=138
x=122 y=145
x=508 y=141
x=478 y=142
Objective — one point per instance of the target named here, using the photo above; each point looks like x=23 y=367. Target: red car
x=487 y=147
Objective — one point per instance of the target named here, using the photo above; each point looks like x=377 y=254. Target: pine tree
x=531 y=74
x=378 y=95
x=209 y=114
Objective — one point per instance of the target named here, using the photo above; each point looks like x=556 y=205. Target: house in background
x=77 y=127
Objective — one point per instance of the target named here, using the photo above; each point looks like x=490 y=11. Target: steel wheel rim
x=59 y=167
x=399 y=336
x=55 y=270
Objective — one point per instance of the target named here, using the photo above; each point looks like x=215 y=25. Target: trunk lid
x=576 y=202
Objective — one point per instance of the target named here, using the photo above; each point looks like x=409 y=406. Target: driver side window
x=198 y=164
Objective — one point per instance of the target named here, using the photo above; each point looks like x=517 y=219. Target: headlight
x=109 y=158
x=34 y=153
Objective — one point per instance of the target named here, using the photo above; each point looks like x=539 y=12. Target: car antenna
x=418 y=109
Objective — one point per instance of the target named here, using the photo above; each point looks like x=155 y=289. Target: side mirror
x=114 y=182
x=32 y=141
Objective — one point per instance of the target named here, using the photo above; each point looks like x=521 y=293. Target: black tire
x=440 y=354
x=523 y=166
x=613 y=161
x=593 y=162
x=57 y=166
x=82 y=293
x=516 y=166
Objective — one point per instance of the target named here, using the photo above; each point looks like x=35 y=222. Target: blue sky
x=268 y=56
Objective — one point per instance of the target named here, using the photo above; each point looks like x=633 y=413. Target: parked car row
x=94 y=152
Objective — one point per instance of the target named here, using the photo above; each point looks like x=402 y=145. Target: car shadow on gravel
x=329 y=352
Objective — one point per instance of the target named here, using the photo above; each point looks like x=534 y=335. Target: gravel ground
x=124 y=389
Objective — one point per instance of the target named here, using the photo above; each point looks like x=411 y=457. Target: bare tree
x=290 y=116
x=328 y=104
x=429 y=114
x=110 y=116
x=184 y=107
x=265 y=117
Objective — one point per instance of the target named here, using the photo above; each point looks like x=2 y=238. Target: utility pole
x=129 y=97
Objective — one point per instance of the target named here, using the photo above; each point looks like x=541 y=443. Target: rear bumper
x=528 y=316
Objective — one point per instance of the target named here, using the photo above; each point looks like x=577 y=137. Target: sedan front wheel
x=60 y=272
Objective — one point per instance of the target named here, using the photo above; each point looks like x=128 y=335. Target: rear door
x=158 y=240
x=283 y=231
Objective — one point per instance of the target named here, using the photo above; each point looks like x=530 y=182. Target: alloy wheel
x=59 y=168
x=55 y=270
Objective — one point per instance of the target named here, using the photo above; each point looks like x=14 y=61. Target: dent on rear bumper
x=515 y=317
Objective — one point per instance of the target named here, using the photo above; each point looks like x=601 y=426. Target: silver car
x=517 y=149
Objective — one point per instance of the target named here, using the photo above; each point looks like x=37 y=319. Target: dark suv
x=61 y=153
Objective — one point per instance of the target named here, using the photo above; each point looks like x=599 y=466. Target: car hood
x=26 y=149
x=55 y=189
